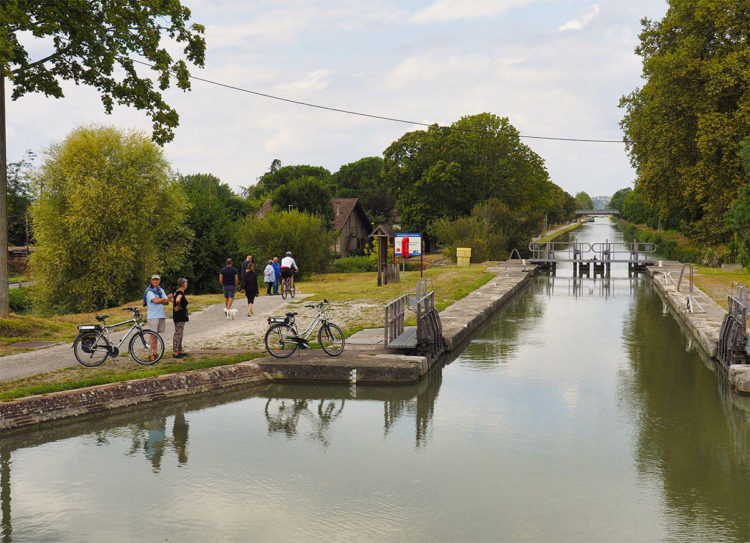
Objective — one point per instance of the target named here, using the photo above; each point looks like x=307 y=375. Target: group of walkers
x=245 y=280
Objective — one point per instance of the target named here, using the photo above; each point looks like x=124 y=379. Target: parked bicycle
x=283 y=337
x=94 y=343
x=287 y=288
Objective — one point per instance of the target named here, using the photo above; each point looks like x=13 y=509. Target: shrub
x=354 y=264
x=20 y=300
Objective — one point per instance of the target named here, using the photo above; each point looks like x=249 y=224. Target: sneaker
x=183 y=355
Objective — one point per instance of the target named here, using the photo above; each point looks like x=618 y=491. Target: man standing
x=229 y=280
x=277 y=269
x=156 y=299
x=243 y=268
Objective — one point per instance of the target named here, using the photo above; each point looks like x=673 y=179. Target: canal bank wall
x=698 y=313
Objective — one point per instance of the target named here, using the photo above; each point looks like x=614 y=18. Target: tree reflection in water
x=695 y=439
x=7 y=528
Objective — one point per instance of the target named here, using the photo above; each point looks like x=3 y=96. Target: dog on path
x=230 y=314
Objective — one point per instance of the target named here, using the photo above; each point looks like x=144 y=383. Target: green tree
x=444 y=172
x=108 y=215
x=618 y=198
x=90 y=43
x=307 y=236
x=737 y=218
x=636 y=209
x=363 y=180
x=213 y=218
x=308 y=194
x=19 y=198
x=278 y=176
x=583 y=201
x=684 y=125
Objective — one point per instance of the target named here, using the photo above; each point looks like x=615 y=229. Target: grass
x=559 y=233
x=717 y=283
x=123 y=369
x=450 y=283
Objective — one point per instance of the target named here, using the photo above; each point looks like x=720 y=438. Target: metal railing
x=395 y=315
x=574 y=251
x=515 y=252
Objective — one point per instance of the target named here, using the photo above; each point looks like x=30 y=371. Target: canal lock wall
x=698 y=313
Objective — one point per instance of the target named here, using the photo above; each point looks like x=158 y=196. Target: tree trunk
x=4 y=296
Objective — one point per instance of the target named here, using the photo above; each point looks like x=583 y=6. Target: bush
x=307 y=236
x=20 y=300
x=354 y=264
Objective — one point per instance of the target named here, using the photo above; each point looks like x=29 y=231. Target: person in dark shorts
x=250 y=286
x=229 y=279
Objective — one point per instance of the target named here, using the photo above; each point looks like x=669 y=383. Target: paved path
x=207 y=328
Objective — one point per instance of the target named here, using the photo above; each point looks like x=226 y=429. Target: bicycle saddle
x=101 y=318
x=291 y=314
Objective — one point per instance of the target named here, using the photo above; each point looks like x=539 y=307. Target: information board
x=415 y=244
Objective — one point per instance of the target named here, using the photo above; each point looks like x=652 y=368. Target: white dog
x=230 y=314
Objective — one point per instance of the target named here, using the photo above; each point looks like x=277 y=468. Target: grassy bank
x=717 y=283
x=556 y=234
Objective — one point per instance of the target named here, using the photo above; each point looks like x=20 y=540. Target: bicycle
x=94 y=345
x=283 y=337
x=287 y=288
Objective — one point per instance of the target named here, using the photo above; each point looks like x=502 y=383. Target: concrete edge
x=33 y=410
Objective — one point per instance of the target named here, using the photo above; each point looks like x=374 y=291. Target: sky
x=555 y=68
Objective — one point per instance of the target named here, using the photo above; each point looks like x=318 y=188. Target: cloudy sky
x=555 y=68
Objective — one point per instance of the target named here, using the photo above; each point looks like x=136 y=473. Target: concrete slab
x=368 y=336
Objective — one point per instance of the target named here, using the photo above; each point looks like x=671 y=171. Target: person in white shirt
x=289 y=267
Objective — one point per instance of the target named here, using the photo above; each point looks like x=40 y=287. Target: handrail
x=682 y=271
x=395 y=315
x=523 y=262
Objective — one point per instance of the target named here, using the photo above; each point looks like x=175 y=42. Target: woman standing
x=269 y=276
x=250 y=286
x=180 y=317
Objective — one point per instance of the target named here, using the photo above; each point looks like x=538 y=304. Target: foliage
x=685 y=124
x=307 y=194
x=443 y=172
x=737 y=218
x=213 y=210
x=363 y=180
x=491 y=231
x=671 y=244
x=354 y=264
x=618 y=198
x=584 y=201
x=91 y=43
x=20 y=299
x=281 y=175
x=307 y=236
x=108 y=215
x=19 y=198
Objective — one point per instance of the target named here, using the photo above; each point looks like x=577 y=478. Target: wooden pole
x=4 y=294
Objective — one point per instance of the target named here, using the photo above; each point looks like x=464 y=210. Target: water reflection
x=283 y=416
x=696 y=442
x=7 y=528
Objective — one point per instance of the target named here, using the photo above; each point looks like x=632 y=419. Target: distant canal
x=581 y=413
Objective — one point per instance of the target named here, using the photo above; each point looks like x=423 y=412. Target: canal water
x=580 y=413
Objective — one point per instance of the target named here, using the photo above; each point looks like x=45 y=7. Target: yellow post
x=463 y=255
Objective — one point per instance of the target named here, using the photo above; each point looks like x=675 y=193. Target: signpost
x=408 y=245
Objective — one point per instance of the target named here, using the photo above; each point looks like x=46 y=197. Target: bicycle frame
x=306 y=334
x=106 y=328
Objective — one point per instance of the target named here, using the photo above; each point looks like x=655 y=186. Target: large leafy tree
x=90 y=43
x=213 y=217
x=584 y=201
x=684 y=125
x=306 y=193
x=278 y=176
x=445 y=171
x=19 y=199
x=108 y=214
x=618 y=198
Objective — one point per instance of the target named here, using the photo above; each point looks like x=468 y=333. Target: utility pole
x=4 y=295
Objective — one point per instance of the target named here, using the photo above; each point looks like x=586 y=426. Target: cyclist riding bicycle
x=288 y=268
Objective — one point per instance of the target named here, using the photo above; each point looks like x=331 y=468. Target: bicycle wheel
x=284 y=287
x=292 y=290
x=143 y=351
x=90 y=349
x=277 y=343
x=331 y=338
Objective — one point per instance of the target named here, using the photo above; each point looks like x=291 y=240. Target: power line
x=372 y=116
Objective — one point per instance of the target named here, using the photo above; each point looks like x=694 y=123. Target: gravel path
x=207 y=329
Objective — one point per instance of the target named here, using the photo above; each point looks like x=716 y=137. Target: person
x=250 y=286
x=156 y=299
x=269 y=275
x=229 y=281
x=288 y=267
x=243 y=268
x=277 y=269
x=179 y=317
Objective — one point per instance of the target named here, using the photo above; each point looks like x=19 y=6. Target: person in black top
x=250 y=286
x=229 y=280
x=180 y=317
x=243 y=268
